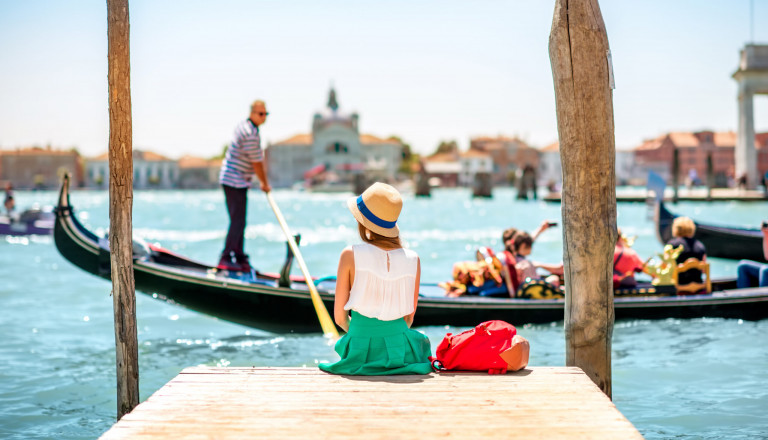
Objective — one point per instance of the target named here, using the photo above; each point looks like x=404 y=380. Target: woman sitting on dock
x=378 y=285
x=683 y=230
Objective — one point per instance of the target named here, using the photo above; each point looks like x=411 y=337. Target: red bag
x=479 y=349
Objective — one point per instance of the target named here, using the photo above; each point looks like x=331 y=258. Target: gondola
x=282 y=304
x=720 y=241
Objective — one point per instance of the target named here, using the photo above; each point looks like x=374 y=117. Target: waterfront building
x=508 y=155
x=198 y=173
x=150 y=170
x=36 y=167
x=694 y=148
x=335 y=146
x=550 y=171
x=443 y=169
x=474 y=162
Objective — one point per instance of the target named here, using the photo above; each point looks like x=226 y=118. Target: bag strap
x=616 y=260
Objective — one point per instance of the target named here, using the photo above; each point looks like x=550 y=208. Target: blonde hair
x=258 y=102
x=377 y=239
x=683 y=227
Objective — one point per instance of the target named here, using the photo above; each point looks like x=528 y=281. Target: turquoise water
x=689 y=379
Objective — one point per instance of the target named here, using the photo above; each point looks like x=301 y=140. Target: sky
x=426 y=71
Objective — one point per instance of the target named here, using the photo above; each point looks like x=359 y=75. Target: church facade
x=335 y=150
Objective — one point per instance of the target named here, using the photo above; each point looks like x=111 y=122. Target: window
x=336 y=148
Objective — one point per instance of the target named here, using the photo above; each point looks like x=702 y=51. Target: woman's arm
x=344 y=279
x=409 y=318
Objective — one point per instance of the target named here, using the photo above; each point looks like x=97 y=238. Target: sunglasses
x=263 y=113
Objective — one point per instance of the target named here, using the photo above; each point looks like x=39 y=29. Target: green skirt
x=374 y=348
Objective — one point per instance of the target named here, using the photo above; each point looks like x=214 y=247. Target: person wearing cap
x=243 y=160
x=377 y=290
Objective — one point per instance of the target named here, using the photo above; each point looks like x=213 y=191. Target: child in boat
x=527 y=268
x=377 y=290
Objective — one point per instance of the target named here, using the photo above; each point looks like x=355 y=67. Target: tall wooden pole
x=120 y=205
x=583 y=77
x=675 y=174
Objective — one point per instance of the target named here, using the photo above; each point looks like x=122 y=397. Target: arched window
x=336 y=148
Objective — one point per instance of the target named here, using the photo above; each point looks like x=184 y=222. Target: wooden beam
x=583 y=77
x=120 y=205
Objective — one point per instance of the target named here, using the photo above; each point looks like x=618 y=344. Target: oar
x=329 y=328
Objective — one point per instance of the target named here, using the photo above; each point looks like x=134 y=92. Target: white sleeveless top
x=378 y=292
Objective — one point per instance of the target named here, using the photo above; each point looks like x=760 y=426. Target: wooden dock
x=306 y=403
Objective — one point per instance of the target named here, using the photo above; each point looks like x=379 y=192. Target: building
x=150 y=170
x=198 y=173
x=473 y=162
x=336 y=146
x=508 y=155
x=550 y=171
x=442 y=169
x=694 y=149
x=37 y=167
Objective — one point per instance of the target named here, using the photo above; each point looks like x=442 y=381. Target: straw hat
x=378 y=208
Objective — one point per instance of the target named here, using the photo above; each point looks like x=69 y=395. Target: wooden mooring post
x=120 y=205
x=583 y=77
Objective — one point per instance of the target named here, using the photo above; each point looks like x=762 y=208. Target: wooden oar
x=329 y=328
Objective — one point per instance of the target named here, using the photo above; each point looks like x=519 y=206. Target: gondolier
x=243 y=160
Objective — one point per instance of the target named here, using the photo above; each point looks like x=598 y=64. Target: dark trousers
x=237 y=200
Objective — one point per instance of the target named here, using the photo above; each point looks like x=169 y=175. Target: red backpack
x=481 y=348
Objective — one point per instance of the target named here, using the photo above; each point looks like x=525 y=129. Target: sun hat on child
x=378 y=208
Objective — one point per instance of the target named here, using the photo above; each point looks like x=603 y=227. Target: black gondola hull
x=721 y=242
x=262 y=304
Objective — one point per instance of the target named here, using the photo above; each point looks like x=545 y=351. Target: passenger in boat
x=751 y=273
x=243 y=160
x=9 y=203
x=377 y=291
x=527 y=268
x=683 y=230
x=626 y=263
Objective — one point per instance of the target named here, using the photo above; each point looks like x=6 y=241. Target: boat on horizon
x=282 y=304
x=32 y=221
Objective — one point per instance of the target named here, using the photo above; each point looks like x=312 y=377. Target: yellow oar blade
x=326 y=323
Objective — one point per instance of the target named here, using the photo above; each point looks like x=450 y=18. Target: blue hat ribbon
x=371 y=216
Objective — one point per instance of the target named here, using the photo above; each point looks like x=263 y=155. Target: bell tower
x=752 y=77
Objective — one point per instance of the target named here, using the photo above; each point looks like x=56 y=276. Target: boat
x=33 y=221
x=721 y=241
x=280 y=303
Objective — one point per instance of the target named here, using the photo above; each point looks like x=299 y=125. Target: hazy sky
x=423 y=70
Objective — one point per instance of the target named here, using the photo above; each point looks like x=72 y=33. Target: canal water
x=686 y=379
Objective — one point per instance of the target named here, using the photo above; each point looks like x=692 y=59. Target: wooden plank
x=300 y=403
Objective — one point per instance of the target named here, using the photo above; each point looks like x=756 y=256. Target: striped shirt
x=237 y=168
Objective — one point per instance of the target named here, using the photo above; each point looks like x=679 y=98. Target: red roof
x=299 y=139
x=371 y=139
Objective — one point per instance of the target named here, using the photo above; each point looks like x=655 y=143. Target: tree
x=450 y=147
x=222 y=154
x=409 y=158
